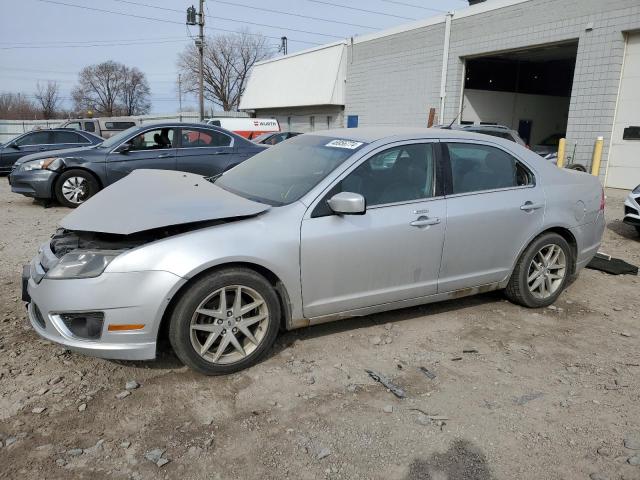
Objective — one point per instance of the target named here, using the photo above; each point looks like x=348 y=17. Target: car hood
x=67 y=152
x=150 y=199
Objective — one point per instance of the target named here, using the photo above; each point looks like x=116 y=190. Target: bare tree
x=48 y=96
x=17 y=106
x=111 y=88
x=228 y=60
x=135 y=93
x=99 y=88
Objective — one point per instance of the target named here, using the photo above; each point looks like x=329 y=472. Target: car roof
x=373 y=134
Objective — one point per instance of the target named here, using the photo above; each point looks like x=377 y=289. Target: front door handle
x=530 y=206
x=425 y=222
x=165 y=155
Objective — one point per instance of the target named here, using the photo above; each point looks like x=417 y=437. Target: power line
x=54 y=2
x=218 y=17
x=48 y=42
x=357 y=9
x=92 y=45
x=75 y=72
x=411 y=5
x=235 y=4
x=151 y=6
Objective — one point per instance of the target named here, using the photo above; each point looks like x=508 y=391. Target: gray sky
x=47 y=40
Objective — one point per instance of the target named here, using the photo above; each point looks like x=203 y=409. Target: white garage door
x=624 y=157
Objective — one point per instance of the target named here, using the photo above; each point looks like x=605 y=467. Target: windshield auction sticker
x=349 y=144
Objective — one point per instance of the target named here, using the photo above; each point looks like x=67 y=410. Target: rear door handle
x=165 y=155
x=530 y=206
x=425 y=222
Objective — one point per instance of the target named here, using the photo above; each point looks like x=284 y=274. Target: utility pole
x=180 y=95
x=191 y=20
x=201 y=66
x=283 y=45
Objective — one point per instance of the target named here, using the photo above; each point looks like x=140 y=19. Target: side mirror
x=14 y=146
x=125 y=147
x=348 y=203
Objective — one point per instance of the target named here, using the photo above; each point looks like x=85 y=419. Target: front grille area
x=37 y=315
x=628 y=210
x=85 y=325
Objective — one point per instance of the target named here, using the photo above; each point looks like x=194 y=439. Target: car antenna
x=448 y=127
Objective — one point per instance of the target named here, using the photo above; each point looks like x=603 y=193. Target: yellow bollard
x=597 y=156
x=561 y=151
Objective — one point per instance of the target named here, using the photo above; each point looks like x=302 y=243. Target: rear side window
x=89 y=127
x=68 y=137
x=118 y=125
x=475 y=168
x=35 y=138
x=204 y=138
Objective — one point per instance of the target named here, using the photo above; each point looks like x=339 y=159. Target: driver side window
x=157 y=139
x=399 y=174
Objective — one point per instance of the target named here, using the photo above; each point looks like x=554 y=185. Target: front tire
x=225 y=322
x=74 y=187
x=543 y=271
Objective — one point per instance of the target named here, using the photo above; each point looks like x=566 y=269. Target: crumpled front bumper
x=124 y=298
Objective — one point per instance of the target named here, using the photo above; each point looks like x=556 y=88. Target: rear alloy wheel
x=74 y=187
x=225 y=322
x=542 y=272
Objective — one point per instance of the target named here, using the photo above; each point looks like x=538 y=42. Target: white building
x=305 y=91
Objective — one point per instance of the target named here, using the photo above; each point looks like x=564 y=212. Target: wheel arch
x=54 y=184
x=564 y=232
x=272 y=278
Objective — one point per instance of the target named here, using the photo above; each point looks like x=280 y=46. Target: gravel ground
x=550 y=394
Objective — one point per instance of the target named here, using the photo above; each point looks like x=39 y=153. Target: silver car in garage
x=322 y=227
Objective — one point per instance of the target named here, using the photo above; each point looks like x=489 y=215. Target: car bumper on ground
x=33 y=183
x=131 y=306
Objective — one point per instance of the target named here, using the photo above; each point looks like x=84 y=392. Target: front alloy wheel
x=225 y=321
x=74 y=187
x=229 y=324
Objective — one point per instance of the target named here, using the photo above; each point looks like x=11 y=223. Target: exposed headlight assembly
x=51 y=163
x=82 y=264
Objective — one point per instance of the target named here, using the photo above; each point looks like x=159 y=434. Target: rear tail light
x=602 y=201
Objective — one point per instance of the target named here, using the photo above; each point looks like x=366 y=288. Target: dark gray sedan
x=39 y=141
x=73 y=176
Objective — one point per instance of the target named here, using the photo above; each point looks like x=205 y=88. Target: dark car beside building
x=73 y=176
x=42 y=141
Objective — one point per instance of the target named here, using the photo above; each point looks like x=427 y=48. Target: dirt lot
x=550 y=394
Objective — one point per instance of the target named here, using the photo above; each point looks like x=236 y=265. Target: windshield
x=287 y=171
x=117 y=138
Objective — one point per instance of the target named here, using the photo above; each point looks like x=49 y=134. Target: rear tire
x=542 y=272
x=215 y=331
x=74 y=187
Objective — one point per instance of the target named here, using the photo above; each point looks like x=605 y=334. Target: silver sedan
x=325 y=226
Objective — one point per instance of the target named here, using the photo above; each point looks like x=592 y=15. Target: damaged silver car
x=325 y=226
